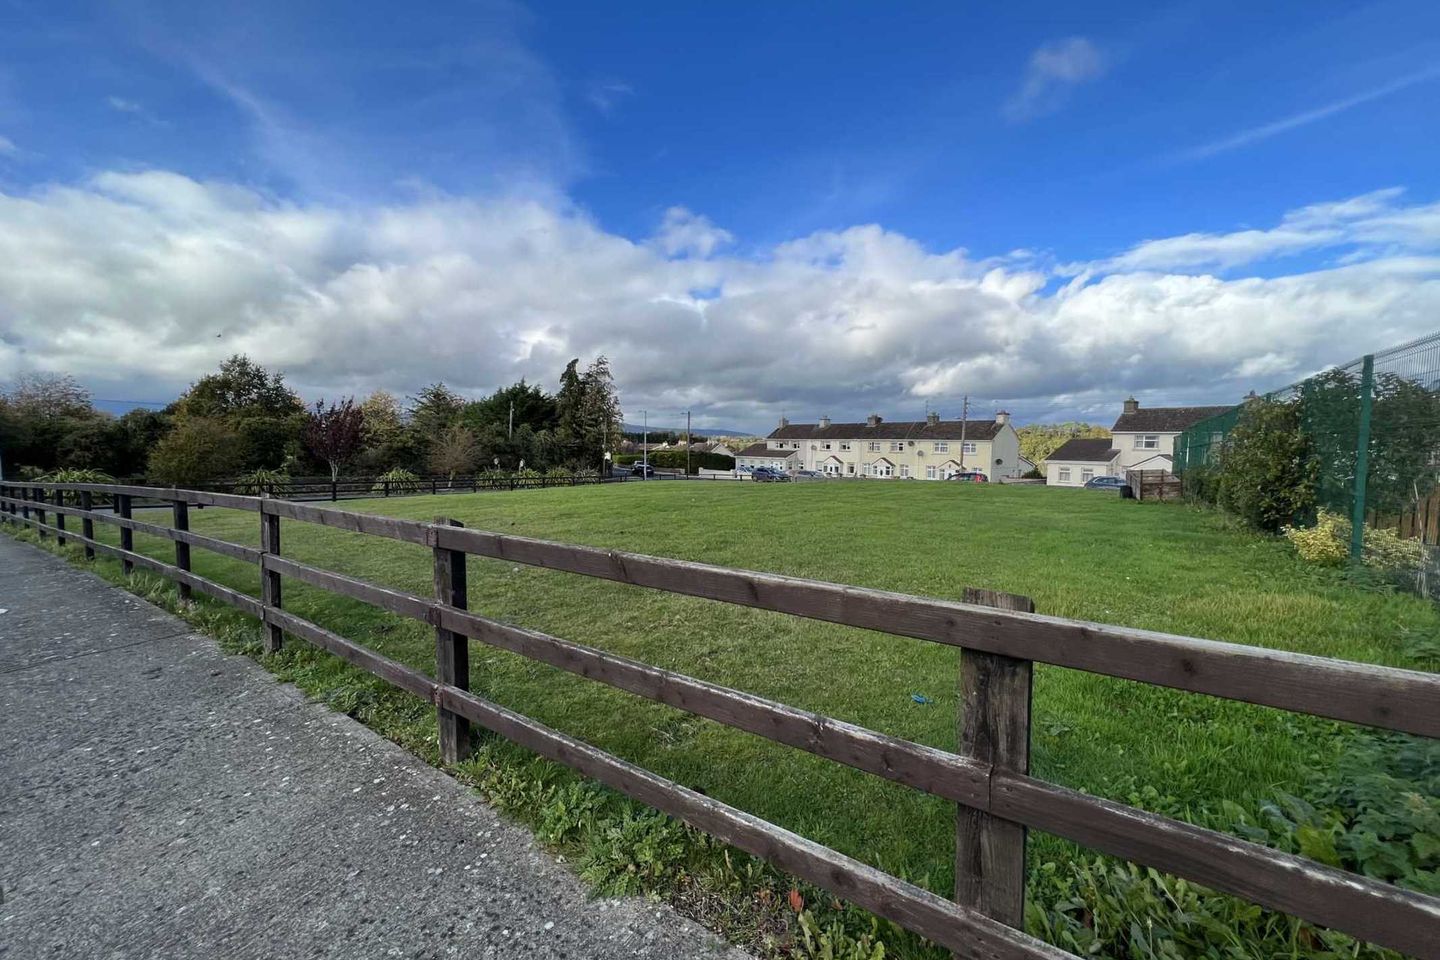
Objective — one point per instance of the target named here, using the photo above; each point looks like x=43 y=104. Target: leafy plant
x=1328 y=544
x=72 y=497
x=1267 y=475
x=396 y=481
x=262 y=483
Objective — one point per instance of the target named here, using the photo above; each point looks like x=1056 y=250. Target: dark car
x=1105 y=483
x=769 y=475
x=642 y=470
x=970 y=476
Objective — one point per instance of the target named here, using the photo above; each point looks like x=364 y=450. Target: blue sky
x=839 y=162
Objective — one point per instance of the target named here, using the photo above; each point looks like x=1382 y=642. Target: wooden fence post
x=452 y=650
x=181 y=515
x=24 y=496
x=60 y=517
x=127 y=536
x=271 y=636
x=994 y=729
x=87 y=526
x=38 y=495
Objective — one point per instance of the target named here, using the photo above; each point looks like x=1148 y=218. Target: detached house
x=1142 y=439
x=929 y=449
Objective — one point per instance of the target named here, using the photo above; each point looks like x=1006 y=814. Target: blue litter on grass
x=920 y=698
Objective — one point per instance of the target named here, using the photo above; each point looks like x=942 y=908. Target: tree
x=599 y=414
x=568 y=406
x=509 y=408
x=47 y=421
x=43 y=396
x=1266 y=473
x=454 y=451
x=434 y=409
x=266 y=415
x=1039 y=440
x=197 y=450
x=334 y=433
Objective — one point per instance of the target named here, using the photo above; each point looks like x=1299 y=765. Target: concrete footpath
x=161 y=799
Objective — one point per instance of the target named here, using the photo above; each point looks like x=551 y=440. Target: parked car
x=769 y=475
x=642 y=470
x=970 y=476
x=808 y=475
x=1105 y=483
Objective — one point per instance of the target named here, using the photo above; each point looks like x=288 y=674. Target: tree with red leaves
x=334 y=434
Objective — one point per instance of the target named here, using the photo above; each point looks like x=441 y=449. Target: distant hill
x=702 y=431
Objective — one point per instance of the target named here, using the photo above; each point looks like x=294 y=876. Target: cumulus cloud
x=1052 y=72
x=143 y=281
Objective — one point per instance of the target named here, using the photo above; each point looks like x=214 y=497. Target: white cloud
x=7 y=147
x=1052 y=72
x=127 y=279
x=605 y=95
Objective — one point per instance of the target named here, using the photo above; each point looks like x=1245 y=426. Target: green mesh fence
x=1373 y=427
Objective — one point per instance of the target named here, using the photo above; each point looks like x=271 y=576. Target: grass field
x=1077 y=553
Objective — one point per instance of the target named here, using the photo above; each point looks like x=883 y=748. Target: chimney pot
x=784 y=422
x=1132 y=405
x=824 y=421
x=1002 y=417
x=873 y=420
x=932 y=418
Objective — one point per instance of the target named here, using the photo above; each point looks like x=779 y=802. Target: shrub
x=675 y=460
x=75 y=476
x=1328 y=544
x=398 y=481
x=262 y=483
x=1266 y=474
x=198 y=449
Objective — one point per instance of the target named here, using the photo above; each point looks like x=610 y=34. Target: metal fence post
x=994 y=729
x=127 y=536
x=1362 y=457
x=452 y=650
x=180 y=512
x=87 y=526
x=271 y=636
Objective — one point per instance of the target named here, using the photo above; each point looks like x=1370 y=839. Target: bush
x=262 y=483
x=396 y=481
x=1266 y=474
x=76 y=476
x=1328 y=544
x=198 y=449
x=675 y=460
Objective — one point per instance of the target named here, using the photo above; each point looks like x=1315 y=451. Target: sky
x=753 y=209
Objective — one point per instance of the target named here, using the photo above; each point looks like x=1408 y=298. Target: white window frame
x=1087 y=474
x=1064 y=474
x=883 y=470
x=1147 y=441
x=874 y=446
x=968 y=446
x=897 y=446
x=844 y=446
x=904 y=471
x=941 y=446
x=929 y=473
x=850 y=468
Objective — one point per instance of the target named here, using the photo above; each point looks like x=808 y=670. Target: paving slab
x=159 y=798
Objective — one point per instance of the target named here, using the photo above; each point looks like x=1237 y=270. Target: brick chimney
x=1132 y=405
x=784 y=422
x=932 y=418
x=824 y=421
x=1002 y=417
x=873 y=420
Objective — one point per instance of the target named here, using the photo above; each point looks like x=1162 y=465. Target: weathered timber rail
x=997 y=799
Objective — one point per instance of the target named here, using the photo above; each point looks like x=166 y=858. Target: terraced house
x=929 y=449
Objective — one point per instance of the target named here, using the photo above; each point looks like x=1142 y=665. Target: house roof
x=1164 y=419
x=760 y=450
x=1084 y=450
x=884 y=430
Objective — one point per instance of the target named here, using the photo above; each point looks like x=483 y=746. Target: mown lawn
x=1077 y=553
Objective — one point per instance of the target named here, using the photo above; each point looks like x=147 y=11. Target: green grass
x=1077 y=553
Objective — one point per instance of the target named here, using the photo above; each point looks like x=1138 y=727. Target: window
x=897 y=446
x=849 y=468
x=929 y=473
x=941 y=446
x=905 y=470
x=880 y=469
x=1147 y=441
x=844 y=446
x=826 y=446
x=1087 y=474
x=874 y=446
x=968 y=446
x=1064 y=474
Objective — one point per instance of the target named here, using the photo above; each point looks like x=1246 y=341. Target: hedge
x=675 y=460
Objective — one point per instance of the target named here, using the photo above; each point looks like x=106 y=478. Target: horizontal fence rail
x=1001 y=790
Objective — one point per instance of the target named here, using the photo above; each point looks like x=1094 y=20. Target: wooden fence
x=988 y=779
x=350 y=488
x=1420 y=522
x=1154 y=485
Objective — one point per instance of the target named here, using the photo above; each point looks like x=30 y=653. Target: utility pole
x=687 y=444
x=510 y=431
x=964 y=417
x=645 y=445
